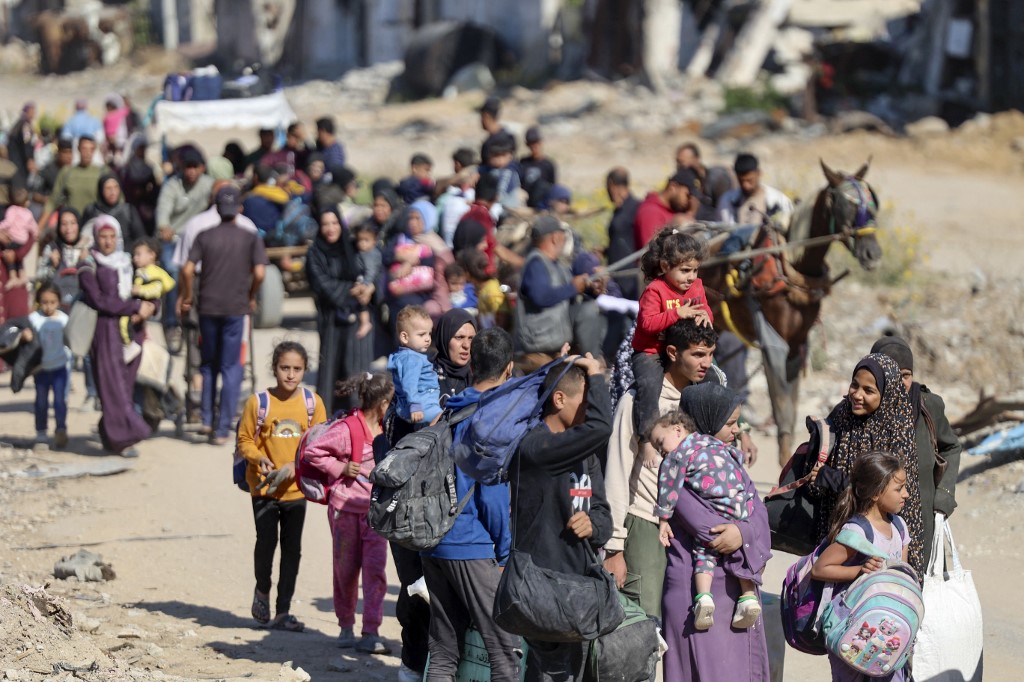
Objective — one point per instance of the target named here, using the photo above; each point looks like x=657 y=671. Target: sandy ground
x=180 y=536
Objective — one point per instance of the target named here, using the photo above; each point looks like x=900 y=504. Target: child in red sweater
x=674 y=292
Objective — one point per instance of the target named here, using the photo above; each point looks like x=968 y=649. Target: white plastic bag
x=950 y=643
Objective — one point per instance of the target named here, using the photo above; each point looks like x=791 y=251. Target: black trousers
x=413 y=613
x=461 y=594
x=271 y=515
x=556 y=662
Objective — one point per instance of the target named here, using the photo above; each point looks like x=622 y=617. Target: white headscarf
x=118 y=261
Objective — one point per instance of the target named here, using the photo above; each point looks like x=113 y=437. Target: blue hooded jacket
x=482 y=529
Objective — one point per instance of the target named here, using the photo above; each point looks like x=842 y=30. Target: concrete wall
x=331 y=37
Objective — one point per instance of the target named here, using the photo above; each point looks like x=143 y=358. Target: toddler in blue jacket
x=417 y=394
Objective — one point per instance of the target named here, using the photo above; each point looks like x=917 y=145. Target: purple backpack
x=803 y=598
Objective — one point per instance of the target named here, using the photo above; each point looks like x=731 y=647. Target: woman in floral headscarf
x=876 y=414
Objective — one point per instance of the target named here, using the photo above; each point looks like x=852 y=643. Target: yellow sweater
x=277 y=440
x=490 y=299
x=154 y=282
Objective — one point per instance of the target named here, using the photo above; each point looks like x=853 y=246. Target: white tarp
x=836 y=13
x=265 y=111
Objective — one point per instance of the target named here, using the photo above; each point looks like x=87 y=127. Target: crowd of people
x=640 y=458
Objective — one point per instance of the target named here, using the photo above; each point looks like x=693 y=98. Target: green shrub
x=762 y=97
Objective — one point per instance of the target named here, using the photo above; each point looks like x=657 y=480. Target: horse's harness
x=863 y=223
x=775 y=275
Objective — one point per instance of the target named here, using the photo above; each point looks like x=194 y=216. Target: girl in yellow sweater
x=268 y=435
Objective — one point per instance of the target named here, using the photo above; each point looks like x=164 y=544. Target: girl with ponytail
x=877 y=492
x=344 y=452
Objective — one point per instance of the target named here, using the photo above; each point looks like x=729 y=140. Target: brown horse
x=790 y=299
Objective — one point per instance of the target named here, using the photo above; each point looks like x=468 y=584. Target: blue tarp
x=1004 y=441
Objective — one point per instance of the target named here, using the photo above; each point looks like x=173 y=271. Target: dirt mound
x=37 y=635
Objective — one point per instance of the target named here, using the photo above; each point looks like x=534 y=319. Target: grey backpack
x=414 y=502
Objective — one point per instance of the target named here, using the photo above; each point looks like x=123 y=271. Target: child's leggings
x=57 y=381
x=358 y=547
x=272 y=514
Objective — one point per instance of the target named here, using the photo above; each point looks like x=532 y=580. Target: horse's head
x=853 y=208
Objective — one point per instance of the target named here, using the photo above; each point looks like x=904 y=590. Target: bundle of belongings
x=23 y=356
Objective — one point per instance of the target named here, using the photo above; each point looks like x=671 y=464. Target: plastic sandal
x=288 y=623
x=260 y=608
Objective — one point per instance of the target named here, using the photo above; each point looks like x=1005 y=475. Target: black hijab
x=468 y=235
x=101 y=202
x=78 y=219
x=340 y=256
x=447 y=327
x=710 y=406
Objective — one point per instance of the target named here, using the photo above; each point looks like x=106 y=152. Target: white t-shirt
x=50 y=332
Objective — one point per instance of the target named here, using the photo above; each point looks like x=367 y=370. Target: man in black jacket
x=561 y=517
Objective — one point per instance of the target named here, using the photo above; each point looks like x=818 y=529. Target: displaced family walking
x=552 y=457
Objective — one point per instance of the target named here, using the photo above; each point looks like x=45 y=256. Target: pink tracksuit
x=357 y=547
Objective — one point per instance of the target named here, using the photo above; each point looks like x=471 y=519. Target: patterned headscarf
x=889 y=428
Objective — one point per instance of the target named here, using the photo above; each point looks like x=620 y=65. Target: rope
x=744 y=255
x=730 y=283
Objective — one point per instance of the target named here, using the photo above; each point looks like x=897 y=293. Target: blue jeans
x=170 y=315
x=90 y=378
x=55 y=380
x=220 y=346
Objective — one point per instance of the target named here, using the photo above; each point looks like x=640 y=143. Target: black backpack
x=414 y=502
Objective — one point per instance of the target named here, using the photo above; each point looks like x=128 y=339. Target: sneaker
x=131 y=351
x=748 y=610
x=40 y=441
x=407 y=674
x=372 y=644
x=704 y=612
x=60 y=439
x=347 y=639
x=130 y=453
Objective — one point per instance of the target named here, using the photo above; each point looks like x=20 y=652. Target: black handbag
x=630 y=652
x=792 y=514
x=550 y=606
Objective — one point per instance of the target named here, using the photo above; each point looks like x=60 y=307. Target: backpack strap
x=310 y=398
x=359 y=434
x=823 y=431
x=862 y=544
x=262 y=409
x=453 y=419
x=900 y=525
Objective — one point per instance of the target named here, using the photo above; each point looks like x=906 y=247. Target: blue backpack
x=484 y=447
x=296 y=225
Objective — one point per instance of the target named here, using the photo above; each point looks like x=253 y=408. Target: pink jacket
x=330 y=454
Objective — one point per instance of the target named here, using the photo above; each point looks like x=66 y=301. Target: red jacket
x=657 y=313
x=652 y=215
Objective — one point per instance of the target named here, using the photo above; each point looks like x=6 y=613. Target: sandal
x=288 y=623
x=260 y=608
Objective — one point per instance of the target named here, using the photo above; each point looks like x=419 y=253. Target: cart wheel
x=270 y=300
